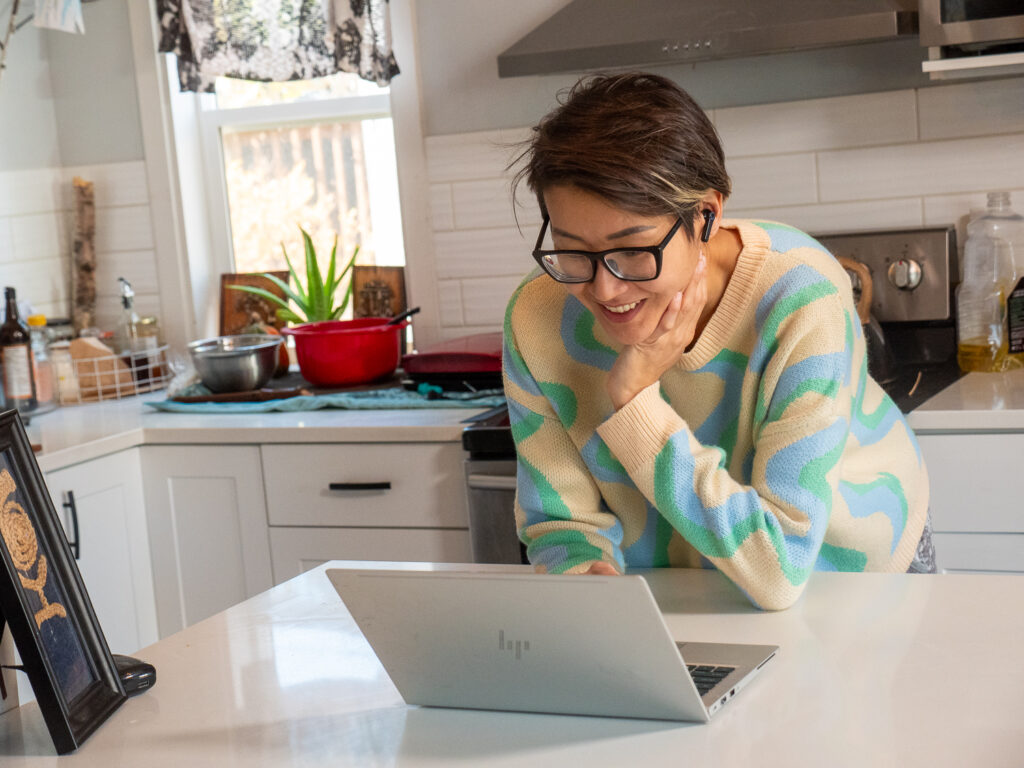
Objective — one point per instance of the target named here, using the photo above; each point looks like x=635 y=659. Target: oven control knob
x=905 y=274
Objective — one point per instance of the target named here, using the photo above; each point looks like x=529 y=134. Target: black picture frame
x=43 y=599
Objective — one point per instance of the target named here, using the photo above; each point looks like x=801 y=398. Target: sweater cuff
x=639 y=430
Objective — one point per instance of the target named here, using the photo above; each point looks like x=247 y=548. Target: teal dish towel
x=379 y=399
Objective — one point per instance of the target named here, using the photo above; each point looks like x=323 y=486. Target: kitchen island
x=873 y=670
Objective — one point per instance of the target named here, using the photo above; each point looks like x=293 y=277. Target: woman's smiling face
x=628 y=311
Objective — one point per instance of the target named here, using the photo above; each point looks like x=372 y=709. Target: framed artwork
x=240 y=309
x=43 y=600
x=378 y=291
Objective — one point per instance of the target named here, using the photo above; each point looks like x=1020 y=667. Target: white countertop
x=977 y=402
x=871 y=672
x=77 y=433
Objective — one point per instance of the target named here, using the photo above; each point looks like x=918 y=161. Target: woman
x=686 y=390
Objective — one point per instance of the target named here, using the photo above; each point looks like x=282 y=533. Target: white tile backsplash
x=37 y=238
x=38 y=235
x=871 y=161
x=801 y=126
x=482 y=253
x=842 y=217
x=484 y=300
x=928 y=167
x=442 y=215
x=773 y=180
x=972 y=109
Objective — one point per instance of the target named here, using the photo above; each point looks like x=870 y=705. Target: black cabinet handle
x=76 y=544
x=384 y=486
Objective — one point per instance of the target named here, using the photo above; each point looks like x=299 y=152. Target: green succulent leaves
x=315 y=302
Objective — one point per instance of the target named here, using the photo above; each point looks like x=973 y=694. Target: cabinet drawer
x=975 y=482
x=988 y=552
x=295 y=550
x=405 y=485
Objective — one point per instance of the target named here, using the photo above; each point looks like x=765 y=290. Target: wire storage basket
x=90 y=380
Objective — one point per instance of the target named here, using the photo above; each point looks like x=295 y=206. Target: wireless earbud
x=709 y=220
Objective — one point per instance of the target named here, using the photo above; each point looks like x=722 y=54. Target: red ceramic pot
x=339 y=353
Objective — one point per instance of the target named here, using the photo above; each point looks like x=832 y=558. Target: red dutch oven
x=339 y=353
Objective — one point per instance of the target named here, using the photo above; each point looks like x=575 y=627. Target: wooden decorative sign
x=43 y=599
x=378 y=291
x=241 y=309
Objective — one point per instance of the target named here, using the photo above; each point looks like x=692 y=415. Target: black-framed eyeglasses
x=636 y=264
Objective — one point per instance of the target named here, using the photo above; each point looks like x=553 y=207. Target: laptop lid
x=522 y=642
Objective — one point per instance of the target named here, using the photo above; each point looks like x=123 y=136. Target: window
x=315 y=153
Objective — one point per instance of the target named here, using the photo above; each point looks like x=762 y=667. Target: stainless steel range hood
x=616 y=34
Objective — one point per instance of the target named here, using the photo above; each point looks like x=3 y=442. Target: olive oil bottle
x=993 y=265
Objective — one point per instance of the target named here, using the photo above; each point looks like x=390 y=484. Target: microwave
x=971 y=24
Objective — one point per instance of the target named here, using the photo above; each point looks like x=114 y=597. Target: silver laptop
x=579 y=645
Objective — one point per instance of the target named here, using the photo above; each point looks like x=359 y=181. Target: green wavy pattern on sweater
x=583 y=334
x=827 y=387
x=516 y=359
x=812 y=475
x=551 y=503
x=707 y=542
x=564 y=400
x=606 y=459
x=844 y=559
x=526 y=426
x=577 y=546
x=779 y=312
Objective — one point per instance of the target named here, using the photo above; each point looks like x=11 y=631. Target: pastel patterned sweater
x=767 y=451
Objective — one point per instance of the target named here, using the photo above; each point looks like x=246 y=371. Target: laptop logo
x=517 y=647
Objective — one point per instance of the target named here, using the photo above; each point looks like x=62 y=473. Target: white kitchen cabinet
x=207 y=529
x=977 y=504
x=365 y=501
x=103 y=499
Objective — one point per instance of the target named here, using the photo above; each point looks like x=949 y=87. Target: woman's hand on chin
x=640 y=365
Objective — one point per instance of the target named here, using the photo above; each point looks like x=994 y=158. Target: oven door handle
x=492 y=482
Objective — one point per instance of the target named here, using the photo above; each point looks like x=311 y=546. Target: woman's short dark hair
x=635 y=139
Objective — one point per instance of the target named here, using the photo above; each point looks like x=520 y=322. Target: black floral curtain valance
x=275 y=40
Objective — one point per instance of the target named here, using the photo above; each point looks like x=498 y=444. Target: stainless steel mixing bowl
x=236 y=363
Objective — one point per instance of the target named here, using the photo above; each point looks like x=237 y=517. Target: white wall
x=68 y=107
x=906 y=158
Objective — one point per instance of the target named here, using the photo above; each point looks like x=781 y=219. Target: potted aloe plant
x=314 y=302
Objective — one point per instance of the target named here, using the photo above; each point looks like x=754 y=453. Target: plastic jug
x=993 y=265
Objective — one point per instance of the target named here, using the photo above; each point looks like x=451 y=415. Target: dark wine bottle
x=16 y=358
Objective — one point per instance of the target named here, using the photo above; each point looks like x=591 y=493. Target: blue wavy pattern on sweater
x=785 y=238
x=602 y=464
x=577 y=332
x=641 y=552
x=769 y=308
x=731 y=370
x=784 y=475
x=516 y=370
x=877 y=497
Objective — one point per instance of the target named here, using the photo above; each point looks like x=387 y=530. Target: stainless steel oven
x=970 y=23
x=491 y=488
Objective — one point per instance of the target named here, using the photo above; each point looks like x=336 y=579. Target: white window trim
x=212 y=119
x=190 y=253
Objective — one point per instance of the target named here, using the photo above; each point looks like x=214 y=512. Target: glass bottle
x=990 y=273
x=126 y=337
x=16 y=358
x=42 y=364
